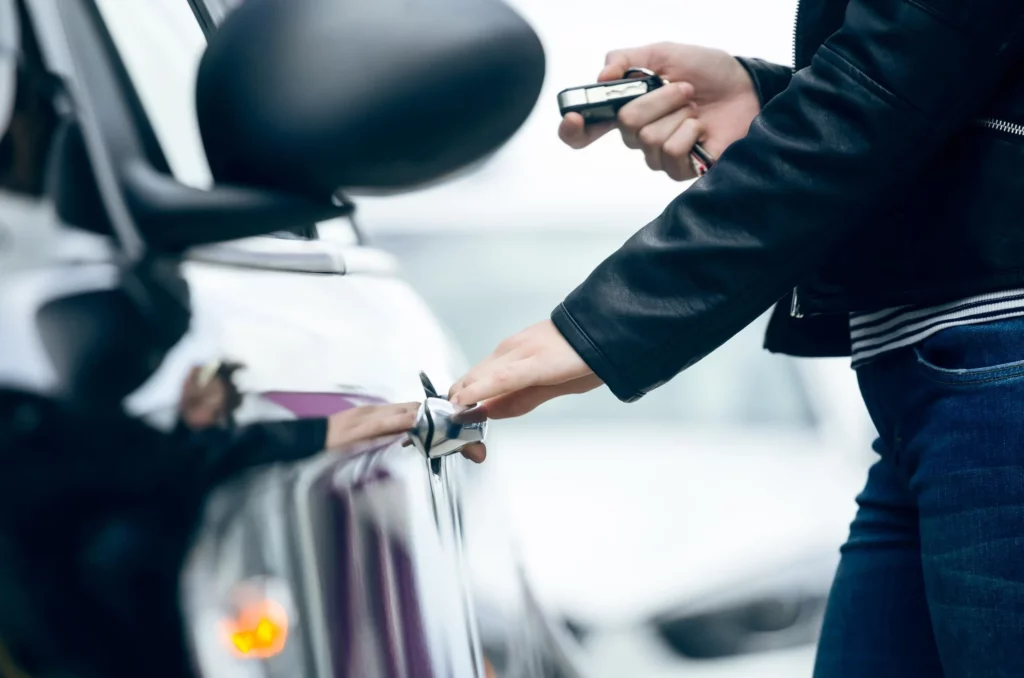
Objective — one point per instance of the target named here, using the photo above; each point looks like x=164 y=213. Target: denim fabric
x=931 y=580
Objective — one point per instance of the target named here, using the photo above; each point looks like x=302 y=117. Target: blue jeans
x=931 y=579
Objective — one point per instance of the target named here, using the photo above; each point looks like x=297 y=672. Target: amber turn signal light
x=259 y=629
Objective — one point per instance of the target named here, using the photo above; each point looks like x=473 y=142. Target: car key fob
x=601 y=102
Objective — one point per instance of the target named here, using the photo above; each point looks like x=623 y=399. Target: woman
x=874 y=196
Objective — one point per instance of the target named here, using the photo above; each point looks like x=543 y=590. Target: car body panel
x=355 y=559
x=304 y=333
x=361 y=338
x=364 y=542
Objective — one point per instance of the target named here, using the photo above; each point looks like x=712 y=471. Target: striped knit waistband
x=873 y=334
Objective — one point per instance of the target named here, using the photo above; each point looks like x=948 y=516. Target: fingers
x=496 y=362
x=645 y=110
x=385 y=422
x=615 y=65
x=618 y=61
x=372 y=421
x=522 y=402
x=575 y=133
x=475 y=452
x=539 y=355
x=375 y=421
x=500 y=380
x=654 y=136
x=675 y=152
x=507 y=352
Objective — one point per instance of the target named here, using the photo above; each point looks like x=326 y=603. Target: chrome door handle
x=442 y=428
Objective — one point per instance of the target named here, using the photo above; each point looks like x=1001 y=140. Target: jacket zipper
x=796 y=32
x=794 y=304
x=1002 y=126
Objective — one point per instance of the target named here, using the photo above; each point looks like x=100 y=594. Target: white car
x=371 y=561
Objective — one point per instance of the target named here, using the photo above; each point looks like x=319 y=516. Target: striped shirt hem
x=877 y=333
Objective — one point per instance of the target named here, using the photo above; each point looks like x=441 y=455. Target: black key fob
x=601 y=102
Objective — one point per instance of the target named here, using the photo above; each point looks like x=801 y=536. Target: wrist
x=766 y=79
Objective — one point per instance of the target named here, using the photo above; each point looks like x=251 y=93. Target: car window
x=487 y=286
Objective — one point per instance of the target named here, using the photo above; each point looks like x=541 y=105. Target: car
x=356 y=563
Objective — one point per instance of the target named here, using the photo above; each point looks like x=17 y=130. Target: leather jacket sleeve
x=228 y=452
x=769 y=79
x=874 y=107
x=57 y=457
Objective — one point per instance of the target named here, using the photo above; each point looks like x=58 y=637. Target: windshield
x=485 y=286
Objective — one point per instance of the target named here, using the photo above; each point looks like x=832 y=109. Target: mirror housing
x=316 y=96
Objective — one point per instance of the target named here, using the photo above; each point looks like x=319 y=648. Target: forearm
x=875 y=106
x=230 y=451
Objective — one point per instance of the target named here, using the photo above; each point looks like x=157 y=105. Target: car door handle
x=442 y=428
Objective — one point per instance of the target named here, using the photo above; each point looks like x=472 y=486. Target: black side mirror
x=311 y=96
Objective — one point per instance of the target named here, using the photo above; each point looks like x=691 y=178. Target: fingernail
x=454 y=400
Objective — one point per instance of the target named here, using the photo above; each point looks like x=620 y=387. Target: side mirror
x=310 y=97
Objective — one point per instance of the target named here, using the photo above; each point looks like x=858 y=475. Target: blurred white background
x=726 y=492
x=534 y=174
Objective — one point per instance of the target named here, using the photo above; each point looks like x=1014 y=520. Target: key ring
x=645 y=72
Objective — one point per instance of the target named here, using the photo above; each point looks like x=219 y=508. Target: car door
x=348 y=564
x=364 y=544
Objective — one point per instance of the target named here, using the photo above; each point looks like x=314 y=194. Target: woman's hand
x=709 y=98
x=361 y=424
x=526 y=370
x=209 y=399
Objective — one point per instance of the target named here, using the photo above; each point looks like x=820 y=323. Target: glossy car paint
x=361 y=549
x=364 y=541
x=386 y=579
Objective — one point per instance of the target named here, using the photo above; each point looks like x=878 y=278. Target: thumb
x=617 y=62
x=524 y=401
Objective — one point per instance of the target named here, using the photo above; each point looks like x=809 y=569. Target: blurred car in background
x=692 y=533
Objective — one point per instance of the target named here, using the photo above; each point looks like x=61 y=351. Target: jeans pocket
x=978 y=353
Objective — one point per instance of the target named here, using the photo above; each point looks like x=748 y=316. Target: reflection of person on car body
x=97 y=513
x=209 y=396
x=209 y=399
x=833 y=200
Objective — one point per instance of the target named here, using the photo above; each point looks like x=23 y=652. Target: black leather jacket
x=887 y=170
